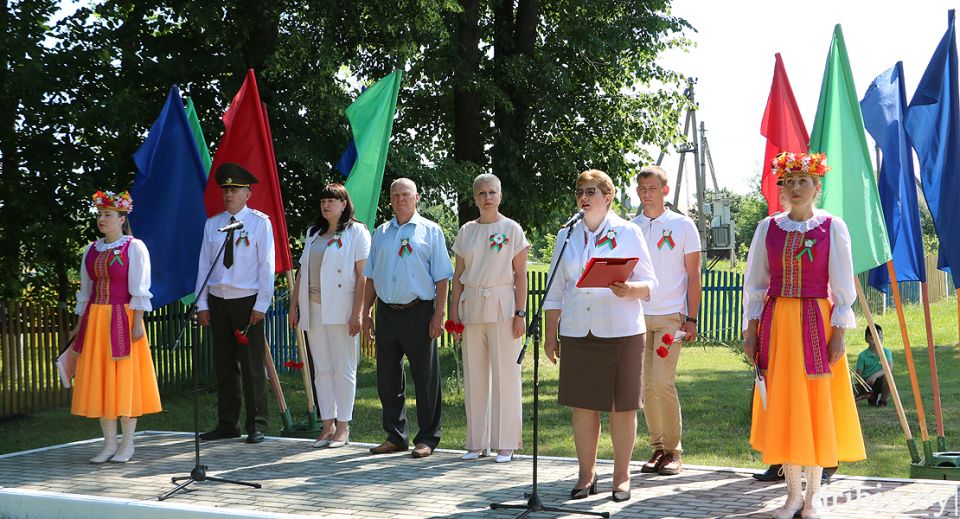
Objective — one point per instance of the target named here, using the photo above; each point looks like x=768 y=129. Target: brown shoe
x=386 y=447
x=650 y=466
x=669 y=465
x=422 y=450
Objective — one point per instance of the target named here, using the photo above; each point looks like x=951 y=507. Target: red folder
x=601 y=272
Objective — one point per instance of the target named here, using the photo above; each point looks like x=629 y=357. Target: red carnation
x=667 y=339
x=241 y=337
x=294 y=365
x=453 y=327
x=663 y=352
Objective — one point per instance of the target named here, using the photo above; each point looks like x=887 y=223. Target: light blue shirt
x=407 y=261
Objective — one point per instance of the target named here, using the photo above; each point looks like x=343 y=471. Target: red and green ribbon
x=405 y=247
x=335 y=240
x=666 y=239
x=808 y=250
x=498 y=241
x=609 y=239
x=116 y=258
x=242 y=238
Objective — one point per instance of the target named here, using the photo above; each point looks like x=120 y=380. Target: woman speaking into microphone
x=601 y=332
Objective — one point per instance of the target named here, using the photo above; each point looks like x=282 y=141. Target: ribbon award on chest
x=243 y=238
x=607 y=239
x=336 y=240
x=666 y=239
x=807 y=249
x=405 y=247
x=115 y=258
x=497 y=241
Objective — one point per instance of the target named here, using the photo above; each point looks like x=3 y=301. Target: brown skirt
x=598 y=372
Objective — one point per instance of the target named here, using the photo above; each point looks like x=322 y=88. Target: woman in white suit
x=326 y=302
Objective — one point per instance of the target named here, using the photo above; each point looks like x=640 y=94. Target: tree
x=532 y=90
x=551 y=88
x=25 y=145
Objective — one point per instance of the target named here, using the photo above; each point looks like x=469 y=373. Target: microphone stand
x=199 y=472
x=534 y=503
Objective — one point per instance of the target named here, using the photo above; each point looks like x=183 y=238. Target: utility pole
x=718 y=234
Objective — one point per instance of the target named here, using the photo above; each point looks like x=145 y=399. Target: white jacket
x=338 y=278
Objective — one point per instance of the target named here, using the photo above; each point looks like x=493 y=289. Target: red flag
x=247 y=141
x=783 y=127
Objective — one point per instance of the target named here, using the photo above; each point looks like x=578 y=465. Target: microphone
x=573 y=219
x=232 y=227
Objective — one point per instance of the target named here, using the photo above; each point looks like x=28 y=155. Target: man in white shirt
x=674 y=244
x=237 y=297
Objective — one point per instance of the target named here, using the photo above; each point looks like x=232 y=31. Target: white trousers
x=492 y=386
x=335 y=356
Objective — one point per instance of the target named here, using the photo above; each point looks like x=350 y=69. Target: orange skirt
x=808 y=421
x=109 y=388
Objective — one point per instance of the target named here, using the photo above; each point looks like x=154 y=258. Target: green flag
x=371 y=121
x=198 y=137
x=201 y=143
x=850 y=188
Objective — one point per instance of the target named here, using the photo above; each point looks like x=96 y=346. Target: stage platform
x=348 y=482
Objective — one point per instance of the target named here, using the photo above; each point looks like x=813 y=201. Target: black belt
x=405 y=306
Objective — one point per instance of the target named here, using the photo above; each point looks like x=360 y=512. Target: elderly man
x=407 y=274
x=239 y=293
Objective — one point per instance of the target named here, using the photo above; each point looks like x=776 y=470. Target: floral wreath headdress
x=112 y=201
x=804 y=163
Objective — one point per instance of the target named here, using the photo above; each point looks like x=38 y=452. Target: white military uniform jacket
x=254 y=260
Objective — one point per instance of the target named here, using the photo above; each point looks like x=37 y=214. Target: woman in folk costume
x=115 y=375
x=798 y=297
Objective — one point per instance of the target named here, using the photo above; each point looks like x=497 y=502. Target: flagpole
x=302 y=352
x=911 y=367
x=932 y=356
x=275 y=384
x=887 y=372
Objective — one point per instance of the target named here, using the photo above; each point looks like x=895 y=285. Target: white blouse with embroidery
x=138 y=275
x=842 y=291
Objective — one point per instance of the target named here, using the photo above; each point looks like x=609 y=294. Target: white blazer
x=338 y=277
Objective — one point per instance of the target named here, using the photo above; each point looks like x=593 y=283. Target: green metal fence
x=31 y=337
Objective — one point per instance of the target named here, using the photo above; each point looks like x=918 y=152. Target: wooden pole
x=274 y=379
x=901 y=416
x=932 y=356
x=917 y=397
x=302 y=352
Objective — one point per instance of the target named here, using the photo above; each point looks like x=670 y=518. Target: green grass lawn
x=714 y=384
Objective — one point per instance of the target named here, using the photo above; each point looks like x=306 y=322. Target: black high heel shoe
x=621 y=495
x=582 y=493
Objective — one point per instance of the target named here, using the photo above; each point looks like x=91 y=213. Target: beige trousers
x=492 y=387
x=661 y=403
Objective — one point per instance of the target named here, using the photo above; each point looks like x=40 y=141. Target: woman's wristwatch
x=520 y=313
x=691 y=320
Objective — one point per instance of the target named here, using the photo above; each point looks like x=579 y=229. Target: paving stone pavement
x=349 y=482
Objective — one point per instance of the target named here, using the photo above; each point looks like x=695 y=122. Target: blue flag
x=883 y=106
x=349 y=156
x=347 y=160
x=167 y=193
x=933 y=124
